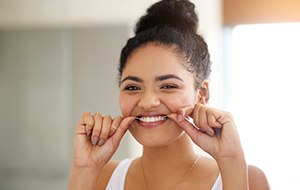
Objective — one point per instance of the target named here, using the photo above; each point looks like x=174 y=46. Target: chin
x=155 y=140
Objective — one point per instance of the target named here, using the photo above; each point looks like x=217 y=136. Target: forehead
x=153 y=60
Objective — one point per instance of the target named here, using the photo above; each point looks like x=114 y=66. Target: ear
x=203 y=96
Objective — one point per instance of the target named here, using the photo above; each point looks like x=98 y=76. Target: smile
x=152 y=119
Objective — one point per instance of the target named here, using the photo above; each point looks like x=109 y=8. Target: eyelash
x=132 y=88
x=168 y=86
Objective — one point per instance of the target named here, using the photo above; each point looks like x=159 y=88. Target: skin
x=155 y=82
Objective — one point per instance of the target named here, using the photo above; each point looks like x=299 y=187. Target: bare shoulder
x=257 y=179
x=106 y=173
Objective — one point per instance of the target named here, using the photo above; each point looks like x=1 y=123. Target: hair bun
x=175 y=13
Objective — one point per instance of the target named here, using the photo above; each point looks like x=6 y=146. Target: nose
x=149 y=100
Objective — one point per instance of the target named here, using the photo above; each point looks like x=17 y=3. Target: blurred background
x=59 y=59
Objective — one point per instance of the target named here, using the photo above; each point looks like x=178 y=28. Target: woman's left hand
x=212 y=130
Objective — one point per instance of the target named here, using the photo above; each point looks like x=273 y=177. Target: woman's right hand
x=97 y=138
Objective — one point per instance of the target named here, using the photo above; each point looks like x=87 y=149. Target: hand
x=97 y=138
x=212 y=130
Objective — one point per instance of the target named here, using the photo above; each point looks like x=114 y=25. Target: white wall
x=16 y=13
x=48 y=78
x=61 y=12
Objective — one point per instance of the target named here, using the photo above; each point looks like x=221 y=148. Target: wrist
x=234 y=172
x=238 y=158
x=83 y=177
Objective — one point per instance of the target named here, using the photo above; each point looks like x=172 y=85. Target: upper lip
x=150 y=114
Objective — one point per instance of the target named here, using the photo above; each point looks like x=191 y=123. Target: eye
x=132 y=88
x=168 y=86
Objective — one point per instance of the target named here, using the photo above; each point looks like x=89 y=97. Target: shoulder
x=257 y=179
x=106 y=173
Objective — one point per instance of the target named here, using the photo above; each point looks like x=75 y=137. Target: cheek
x=180 y=100
x=127 y=104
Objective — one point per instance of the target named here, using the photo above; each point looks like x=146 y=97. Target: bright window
x=265 y=98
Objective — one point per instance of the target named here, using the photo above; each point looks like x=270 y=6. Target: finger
x=116 y=122
x=88 y=120
x=196 y=116
x=189 y=128
x=124 y=125
x=97 y=128
x=212 y=120
x=203 y=123
x=106 y=123
x=80 y=130
x=186 y=111
x=80 y=136
x=80 y=127
x=174 y=117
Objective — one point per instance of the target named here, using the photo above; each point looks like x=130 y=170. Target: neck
x=167 y=165
x=179 y=153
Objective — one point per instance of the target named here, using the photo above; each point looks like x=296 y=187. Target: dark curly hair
x=172 y=23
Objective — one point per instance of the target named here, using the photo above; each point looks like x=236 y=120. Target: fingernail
x=95 y=140
x=210 y=133
x=202 y=130
x=180 y=118
x=89 y=132
x=101 y=142
x=180 y=112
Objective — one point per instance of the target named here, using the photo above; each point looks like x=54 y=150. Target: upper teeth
x=152 y=119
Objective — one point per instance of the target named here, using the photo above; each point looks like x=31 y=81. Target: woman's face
x=154 y=84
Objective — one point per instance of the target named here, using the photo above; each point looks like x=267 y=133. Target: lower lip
x=151 y=124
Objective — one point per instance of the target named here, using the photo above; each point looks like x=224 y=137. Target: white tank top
x=117 y=180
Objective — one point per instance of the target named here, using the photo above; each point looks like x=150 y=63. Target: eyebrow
x=166 y=77
x=158 y=78
x=133 y=78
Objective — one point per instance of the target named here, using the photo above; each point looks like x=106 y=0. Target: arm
x=83 y=178
x=257 y=179
x=234 y=173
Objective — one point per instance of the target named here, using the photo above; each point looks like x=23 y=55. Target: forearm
x=83 y=178
x=234 y=173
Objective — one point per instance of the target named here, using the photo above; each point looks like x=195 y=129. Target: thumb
x=121 y=130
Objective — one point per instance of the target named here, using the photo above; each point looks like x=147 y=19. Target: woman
x=163 y=79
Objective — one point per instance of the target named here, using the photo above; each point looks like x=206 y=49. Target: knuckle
x=86 y=113
x=107 y=117
x=87 y=118
x=118 y=118
x=97 y=115
x=198 y=104
x=228 y=114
